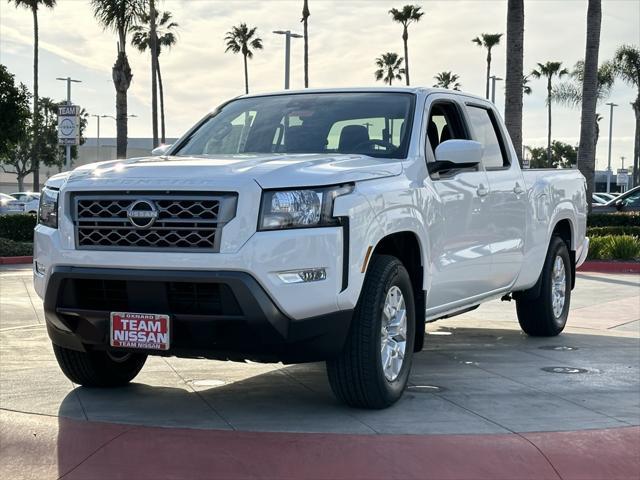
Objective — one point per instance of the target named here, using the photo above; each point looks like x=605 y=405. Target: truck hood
x=229 y=171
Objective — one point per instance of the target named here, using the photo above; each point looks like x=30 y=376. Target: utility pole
x=611 y=105
x=98 y=139
x=68 y=147
x=287 y=53
x=494 y=78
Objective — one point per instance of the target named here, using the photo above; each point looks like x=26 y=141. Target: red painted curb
x=49 y=447
x=15 y=260
x=610 y=267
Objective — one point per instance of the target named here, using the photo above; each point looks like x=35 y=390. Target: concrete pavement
x=477 y=376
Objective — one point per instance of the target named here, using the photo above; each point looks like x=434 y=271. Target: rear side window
x=485 y=129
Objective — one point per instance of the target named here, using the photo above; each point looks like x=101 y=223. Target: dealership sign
x=148 y=331
x=68 y=125
x=622 y=177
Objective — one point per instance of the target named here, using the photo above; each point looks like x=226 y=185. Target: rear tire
x=373 y=369
x=546 y=315
x=98 y=369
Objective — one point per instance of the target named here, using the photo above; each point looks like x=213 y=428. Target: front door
x=460 y=252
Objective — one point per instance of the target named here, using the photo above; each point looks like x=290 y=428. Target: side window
x=485 y=128
x=444 y=124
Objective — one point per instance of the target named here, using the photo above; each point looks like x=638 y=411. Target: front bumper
x=223 y=315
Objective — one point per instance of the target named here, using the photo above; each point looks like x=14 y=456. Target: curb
x=15 y=260
x=610 y=267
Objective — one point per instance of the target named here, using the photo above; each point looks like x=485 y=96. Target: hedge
x=601 y=231
x=9 y=248
x=614 y=247
x=17 y=227
x=630 y=219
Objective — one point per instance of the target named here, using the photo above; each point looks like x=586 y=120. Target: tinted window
x=485 y=131
x=444 y=124
x=366 y=123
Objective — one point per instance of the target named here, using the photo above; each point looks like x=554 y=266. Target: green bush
x=618 y=230
x=624 y=247
x=9 y=248
x=626 y=219
x=17 y=227
x=614 y=247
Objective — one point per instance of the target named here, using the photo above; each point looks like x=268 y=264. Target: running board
x=453 y=314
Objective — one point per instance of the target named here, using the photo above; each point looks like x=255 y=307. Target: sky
x=345 y=37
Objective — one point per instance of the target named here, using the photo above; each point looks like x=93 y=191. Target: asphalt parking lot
x=478 y=375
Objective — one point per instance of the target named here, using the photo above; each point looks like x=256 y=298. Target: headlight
x=311 y=207
x=48 y=208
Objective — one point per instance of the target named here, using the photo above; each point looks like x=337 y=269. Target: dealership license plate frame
x=135 y=345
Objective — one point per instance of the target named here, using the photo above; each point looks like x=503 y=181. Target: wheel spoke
x=393 y=333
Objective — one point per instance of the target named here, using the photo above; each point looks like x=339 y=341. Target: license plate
x=149 y=331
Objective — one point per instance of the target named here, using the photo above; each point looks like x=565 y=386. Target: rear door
x=507 y=199
x=460 y=253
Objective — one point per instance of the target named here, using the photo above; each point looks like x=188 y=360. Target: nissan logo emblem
x=142 y=213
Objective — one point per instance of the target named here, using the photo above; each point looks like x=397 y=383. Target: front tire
x=373 y=369
x=98 y=369
x=546 y=315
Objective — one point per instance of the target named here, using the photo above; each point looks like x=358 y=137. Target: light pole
x=98 y=140
x=68 y=147
x=611 y=105
x=287 y=53
x=494 y=78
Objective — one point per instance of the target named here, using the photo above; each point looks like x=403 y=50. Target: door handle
x=482 y=191
x=518 y=190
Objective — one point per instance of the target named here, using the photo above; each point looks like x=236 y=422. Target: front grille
x=164 y=221
x=177 y=298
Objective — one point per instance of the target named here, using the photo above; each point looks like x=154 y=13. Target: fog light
x=303 y=276
x=40 y=269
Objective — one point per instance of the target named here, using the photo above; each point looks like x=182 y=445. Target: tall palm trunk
x=636 y=144
x=515 y=73
x=549 y=121
x=121 y=73
x=488 y=72
x=305 y=22
x=586 y=150
x=163 y=138
x=405 y=38
x=35 y=150
x=154 y=69
x=246 y=74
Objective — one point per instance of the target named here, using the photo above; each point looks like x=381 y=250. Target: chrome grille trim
x=186 y=221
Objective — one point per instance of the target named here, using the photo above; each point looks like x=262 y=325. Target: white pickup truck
x=320 y=225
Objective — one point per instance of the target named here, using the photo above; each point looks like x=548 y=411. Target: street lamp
x=494 y=78
x=108 y=116
x=611 y=105
x=287 y=52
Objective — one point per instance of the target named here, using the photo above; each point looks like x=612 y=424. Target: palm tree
x=120 y=16
x=409 y=14
x=515 y=81
x=389 y=68
x=165 y=38
x=526 y=88
x=587 y=148
x=305 y=21
x=570 y=93
x=549 y=70
x=33 y=5
x=488 y=41
x=241 y=39
x=447 y=80
x=627 y=67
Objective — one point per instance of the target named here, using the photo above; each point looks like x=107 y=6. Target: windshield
x=367 y=123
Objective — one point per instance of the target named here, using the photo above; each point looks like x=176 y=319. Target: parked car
x=609 y=196
x=628 y=201
x=9 y=205
x=602 y=198
x=324 y=225
x=30 y=200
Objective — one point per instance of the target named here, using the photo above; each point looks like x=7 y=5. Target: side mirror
x=619 y=205
x=453 y=154
x=161 y=150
